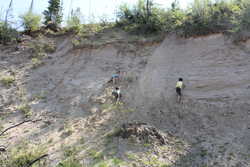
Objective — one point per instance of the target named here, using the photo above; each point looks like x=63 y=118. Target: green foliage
x=37 y=49
x=144 y=17
x=245 y=22
x=70 y=163
x=86 y=31
x=202 y=18
x=74 y=21
x=30 y=21
x=8 y=34
x=25 y=109
x=36 y=63
x=49 y=47
x=7 y=80
x=96 y=155
x=53 y=14
x=70 y=151
x=206 y=17
x=22 y=156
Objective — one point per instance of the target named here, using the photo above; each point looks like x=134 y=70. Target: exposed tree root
x=18 y=125
x=143 y=132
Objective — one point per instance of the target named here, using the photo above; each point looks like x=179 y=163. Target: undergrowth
x=202 y=18
x=23 y=155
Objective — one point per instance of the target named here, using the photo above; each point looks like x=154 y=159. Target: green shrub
x=144 y=17
x=96 y=155
x=25 y=109
x=8 y=34
x=242 y=29
x=245 y=22
x=74 y=21
x=70 y=151
x=21 y=157
x=31 y=22
x=49 y=47
x=37 y=49
x=7 y=80
x=206 y=18
x=36 y=63
x=70 y=163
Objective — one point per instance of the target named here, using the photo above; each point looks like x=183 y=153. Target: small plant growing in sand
x=24 y=155
x=82 y=140
x=36 y=63
x=49 y=47
x=25 y=109
x=96 y=155
x=7 y=80
x=37 y=50
x=1 y=128
x=70 y=151
x=40 y=96
x=71 y=162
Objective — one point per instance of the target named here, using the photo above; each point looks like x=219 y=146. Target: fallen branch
x=34 y=161
x=18 y=125
x=2 y=148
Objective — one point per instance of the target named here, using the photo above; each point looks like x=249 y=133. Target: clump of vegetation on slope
x=7 y=80
x=24 y=155
x=7 y=33
x=202 y=18
x=31 y=22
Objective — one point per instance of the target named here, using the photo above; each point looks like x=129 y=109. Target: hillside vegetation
x=204 y=17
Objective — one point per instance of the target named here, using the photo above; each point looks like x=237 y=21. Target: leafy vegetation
x=40 y=47
x=8 y=34
x=144 y=17
x=7 y=80
x=31 y=22
x=69 y=163
x=25 y=109
x=74 y=21
x=202 y=18
x=53 y=15
x=36 y=63
x=22 y=156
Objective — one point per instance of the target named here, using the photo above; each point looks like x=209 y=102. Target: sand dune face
x=213 y=119
x=213 y=69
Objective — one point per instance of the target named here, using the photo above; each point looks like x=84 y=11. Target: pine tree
x=53 y=14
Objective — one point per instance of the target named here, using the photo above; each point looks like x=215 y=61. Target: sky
x=91 y=9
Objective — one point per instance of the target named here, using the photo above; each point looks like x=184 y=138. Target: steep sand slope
x=214 y=118
x=215 y=109
x=71 y=77
x=213 y=69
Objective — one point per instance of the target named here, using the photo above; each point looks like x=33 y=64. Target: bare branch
x=2 y=148
x=38 y=159
x=33 y=121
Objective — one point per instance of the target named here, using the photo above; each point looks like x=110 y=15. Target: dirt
x=71 y=94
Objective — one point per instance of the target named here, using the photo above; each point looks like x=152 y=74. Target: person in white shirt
x=117 y=94
x=179 y=87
